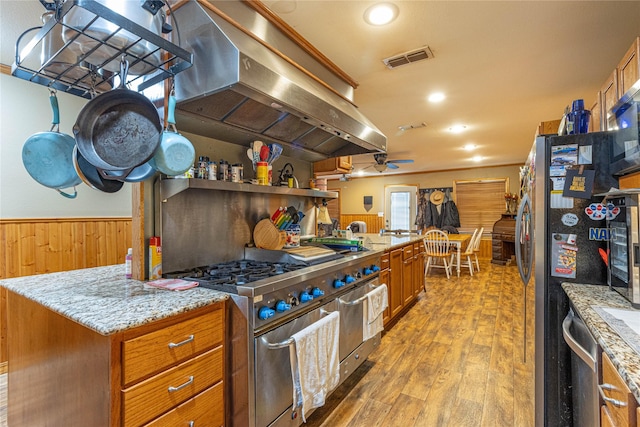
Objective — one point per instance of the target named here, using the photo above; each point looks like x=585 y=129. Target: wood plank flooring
x=455 y=359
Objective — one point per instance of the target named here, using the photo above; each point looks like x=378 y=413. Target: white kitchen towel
x=315 y=366
x=374 y=305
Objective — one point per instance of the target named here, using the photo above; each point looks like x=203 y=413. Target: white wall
x=25 y=110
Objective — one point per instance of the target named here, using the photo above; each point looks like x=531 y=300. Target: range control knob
x=317 y=292
x=367 y=271
x=305 y=297
x=349 y=279
x=338 y=283
x=265 y=312
x=282 y=306
x=375 y=268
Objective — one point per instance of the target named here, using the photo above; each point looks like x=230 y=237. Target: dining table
x=460 y=241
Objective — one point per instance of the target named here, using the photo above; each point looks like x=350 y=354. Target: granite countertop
x=374 y=241
x=585 y=299
x=104 y=301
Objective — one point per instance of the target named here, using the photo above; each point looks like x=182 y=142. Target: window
x=480 y=203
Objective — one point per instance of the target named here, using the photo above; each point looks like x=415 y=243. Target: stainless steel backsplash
x=201 y=227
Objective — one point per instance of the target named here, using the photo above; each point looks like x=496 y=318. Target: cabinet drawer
x=407 y=252
x=150 y=398
x=155 y=351
x=614 y=387
x=384 y=261
x=204 y=410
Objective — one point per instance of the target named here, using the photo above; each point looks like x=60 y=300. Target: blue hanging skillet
x=48 y=156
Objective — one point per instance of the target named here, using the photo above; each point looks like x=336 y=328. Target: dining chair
x=437 y=247
x=476 y=247
x=465 y=257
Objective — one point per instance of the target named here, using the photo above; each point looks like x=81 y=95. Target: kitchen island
x=618 y=349
x=89 y=347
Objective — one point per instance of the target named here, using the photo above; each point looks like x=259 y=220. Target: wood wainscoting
x=47 y=245
x=374 y=222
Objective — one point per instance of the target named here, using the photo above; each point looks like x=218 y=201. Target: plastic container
x=128 y=260
x=155 y=258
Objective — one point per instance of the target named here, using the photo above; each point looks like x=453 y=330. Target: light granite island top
x=102 y=300
x=587 y=299
x=374 y=241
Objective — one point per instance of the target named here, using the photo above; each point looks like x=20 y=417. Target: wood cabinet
x=609 y=96
x=418 y=268
x=620 y=407
x=165 y=373
x=404 y=278
x=629 y=68
x=333 y=165
x=595 y=123
x=384 y=278
x=395 y=282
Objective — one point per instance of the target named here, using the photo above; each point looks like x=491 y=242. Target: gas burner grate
x=225 y=276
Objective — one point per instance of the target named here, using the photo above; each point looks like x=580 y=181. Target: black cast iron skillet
x=118 y=130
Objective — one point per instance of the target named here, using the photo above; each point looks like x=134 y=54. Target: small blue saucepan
x=176 y=154
x=48 y=156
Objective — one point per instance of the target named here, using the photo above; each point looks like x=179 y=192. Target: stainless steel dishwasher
x=584 y=371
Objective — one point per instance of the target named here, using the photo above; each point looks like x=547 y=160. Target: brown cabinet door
x=609 y=97
x=407 y=273
x=595 y=124
x=629 y=68
x=418 y=269
x=395 y=281
x=384 y=279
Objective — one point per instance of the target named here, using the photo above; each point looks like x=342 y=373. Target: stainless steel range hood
x=238 y=91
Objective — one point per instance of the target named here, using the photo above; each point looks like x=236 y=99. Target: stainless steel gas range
x=273 y=297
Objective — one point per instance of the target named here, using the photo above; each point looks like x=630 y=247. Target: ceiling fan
x=381 y=163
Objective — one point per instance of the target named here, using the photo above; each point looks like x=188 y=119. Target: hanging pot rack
x=84 y=79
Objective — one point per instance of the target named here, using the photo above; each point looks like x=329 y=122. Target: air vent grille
x=408 y=57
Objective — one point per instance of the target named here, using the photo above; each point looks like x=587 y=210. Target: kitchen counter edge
x=624 y=358
x=103 y=300
x=374 y=241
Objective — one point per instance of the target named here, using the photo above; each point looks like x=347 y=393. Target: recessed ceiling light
x=470 y=147
x=477 y=158
x=436 y=97
x=381 y=13
x=457 y=128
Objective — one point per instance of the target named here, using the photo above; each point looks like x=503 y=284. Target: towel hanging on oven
x=315 y=365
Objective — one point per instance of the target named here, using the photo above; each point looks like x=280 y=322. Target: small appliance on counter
x=623 y=247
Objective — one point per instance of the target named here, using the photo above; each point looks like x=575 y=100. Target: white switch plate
x=380 y=214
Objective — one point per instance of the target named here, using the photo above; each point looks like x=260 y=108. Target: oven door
x=273 y=383
x=351 y=306
x=623 y=247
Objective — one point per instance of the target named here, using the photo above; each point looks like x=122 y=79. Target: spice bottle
x=128 y=259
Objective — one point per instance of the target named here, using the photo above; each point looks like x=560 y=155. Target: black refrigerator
x=563 y=228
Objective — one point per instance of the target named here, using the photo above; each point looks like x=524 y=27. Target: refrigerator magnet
x=563 y=257
x=579 y=183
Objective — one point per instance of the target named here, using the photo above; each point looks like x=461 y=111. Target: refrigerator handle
x=524 y=265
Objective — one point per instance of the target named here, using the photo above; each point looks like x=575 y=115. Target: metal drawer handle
x=172 y=388
x=192 y=423
x=188 y=340
x=615 y=402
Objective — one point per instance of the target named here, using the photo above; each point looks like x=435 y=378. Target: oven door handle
x=286 y=343
x=354 y=302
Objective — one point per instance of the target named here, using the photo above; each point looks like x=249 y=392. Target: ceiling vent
x=408 y=57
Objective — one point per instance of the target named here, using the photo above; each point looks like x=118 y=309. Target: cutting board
x=309 y=253
x=267 y=236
